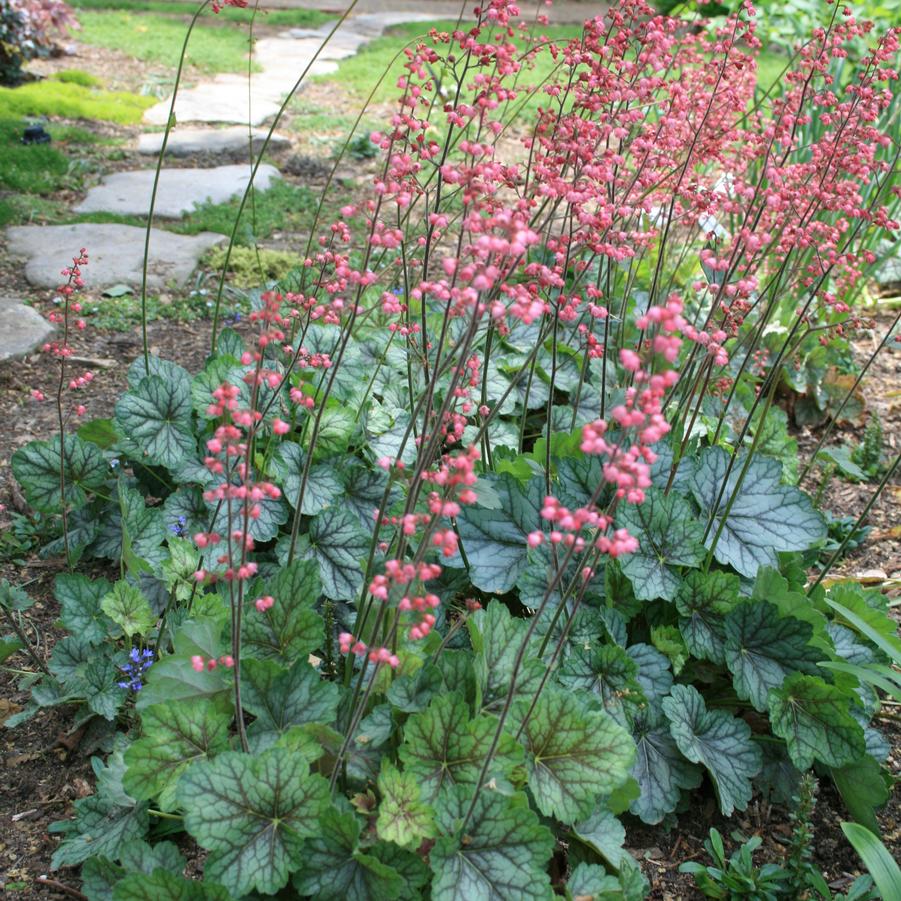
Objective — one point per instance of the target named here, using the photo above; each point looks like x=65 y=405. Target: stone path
x=192 y=141
x=116 y=253
x=22 y=328
x=179 y=190
x=282 y=59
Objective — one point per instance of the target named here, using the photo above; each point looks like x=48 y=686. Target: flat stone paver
x=179 y=191
x=282 y=59
x=191 y=141
x=22 y=329
x=116 y=254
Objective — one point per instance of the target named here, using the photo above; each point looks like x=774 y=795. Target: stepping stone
x=190 y=141
x=217 y=101
x=282 y=59
x=22 y=329
x=128 y=193
x=116 y=254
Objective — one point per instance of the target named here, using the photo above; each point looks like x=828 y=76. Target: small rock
x=116 y=254
x=179 y=190
x=189 y=141
x=22 y=328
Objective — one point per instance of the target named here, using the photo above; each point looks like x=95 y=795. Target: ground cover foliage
x=483 y=533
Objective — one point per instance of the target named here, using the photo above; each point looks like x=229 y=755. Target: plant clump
x=483 y=538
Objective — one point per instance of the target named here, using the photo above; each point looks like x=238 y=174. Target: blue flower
x=178 y=527
x=139 y=663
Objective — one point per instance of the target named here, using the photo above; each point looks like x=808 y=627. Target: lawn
x=158 y=38
x=295 y=18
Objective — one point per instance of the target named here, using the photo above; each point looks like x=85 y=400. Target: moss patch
x=72 y=101
x=249 y=267
x=76 y=76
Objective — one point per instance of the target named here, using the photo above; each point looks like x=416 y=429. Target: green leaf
x=411 y=694
x=333 y=867
x=280 y=698
x=660 y=769
x=591 y=882
x=252 y=814
x=703 y=599
x=865 y=786
x=403 y=817
x=143 y=531
x=128 y=609
x=602 y=831
x=496 y=637
x=323 y=486
x=608 y=671
x=495 y=539
x=99 y=432
x=654 y=675
x=155 y=414
x=80 y=598
x=877 y=859
x=363 y=492
x=340 y=547
x=717 y=740
x=174 y=678
x=574 y=755
x=100 y=687
x=143 y=858
x=668 y=640
x=9 y=644
x=444 y=748
x=849 y=602
x=762 y=648
x=103 y=824
x=766 y=517
x=669 y=535
x=290 y=629
x=273 y=512
x=501 y=853
x=178 y=570
x=174 y=736
x=335 y=430
x=99 y=876
x=37 y=469
x=814 y=719
x=163 y=886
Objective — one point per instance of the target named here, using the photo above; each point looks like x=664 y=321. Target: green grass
x=76 y=76
x=297 y=18
x=158 y=38
x=284 y=207
x=119 y=314
x=31 y=168
x=769 y=67
x=23 y=209
x=359 y=73
x=72 y=101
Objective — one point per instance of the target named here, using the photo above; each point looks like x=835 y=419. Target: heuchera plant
x=485 y=533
